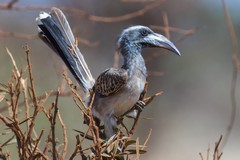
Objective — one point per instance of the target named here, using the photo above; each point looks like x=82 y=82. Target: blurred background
x=195 y=108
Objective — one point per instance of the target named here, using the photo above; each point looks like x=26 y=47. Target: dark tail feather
x=55 y=31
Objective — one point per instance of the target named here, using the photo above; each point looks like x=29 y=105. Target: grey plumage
x=117 y=90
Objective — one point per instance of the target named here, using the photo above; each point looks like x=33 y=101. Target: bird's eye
x=144 y=32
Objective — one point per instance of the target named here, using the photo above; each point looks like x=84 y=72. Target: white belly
x=129 y=97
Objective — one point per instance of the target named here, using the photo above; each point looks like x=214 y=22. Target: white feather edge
x=44 y=15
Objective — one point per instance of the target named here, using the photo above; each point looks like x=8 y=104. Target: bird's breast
x=130 y=94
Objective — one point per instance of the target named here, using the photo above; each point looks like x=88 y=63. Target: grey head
x=133 y=39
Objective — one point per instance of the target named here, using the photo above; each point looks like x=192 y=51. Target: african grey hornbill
x=117 y=90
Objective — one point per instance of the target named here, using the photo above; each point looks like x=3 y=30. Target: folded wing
x=110 y=81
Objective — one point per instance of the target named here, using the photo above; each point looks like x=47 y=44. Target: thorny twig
x=34 y=96
x=27 y=144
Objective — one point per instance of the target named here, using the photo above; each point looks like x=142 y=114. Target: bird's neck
x=134 y=62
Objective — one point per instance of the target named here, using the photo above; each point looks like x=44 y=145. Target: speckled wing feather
x=110 y=81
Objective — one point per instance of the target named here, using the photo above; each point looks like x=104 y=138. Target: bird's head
x=139 y=37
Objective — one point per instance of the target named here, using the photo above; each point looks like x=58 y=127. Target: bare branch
x=147 y=139
x=116 y=59
x=42 y=97
x=217 y=154
x=166 y=25
x=65 y=141
x=36 y=145
x=53 y=124
x=201 y=156
x=11 y=3
x=91 y=17
x=5 y=34
x=128 y=16
x=236 y=65
x=76 y=148
x=174 y=29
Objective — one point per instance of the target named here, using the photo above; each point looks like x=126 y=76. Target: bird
x=116 y=90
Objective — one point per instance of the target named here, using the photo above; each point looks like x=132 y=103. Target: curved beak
x=158 y=40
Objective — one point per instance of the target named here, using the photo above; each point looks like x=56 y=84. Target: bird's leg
x=140 y=105
x=110 y=125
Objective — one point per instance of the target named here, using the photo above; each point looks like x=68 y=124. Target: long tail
x=55 y=31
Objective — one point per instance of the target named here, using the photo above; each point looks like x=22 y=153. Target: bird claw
x=140 y=105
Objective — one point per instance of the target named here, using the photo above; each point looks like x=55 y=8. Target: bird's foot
x=140 y=105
